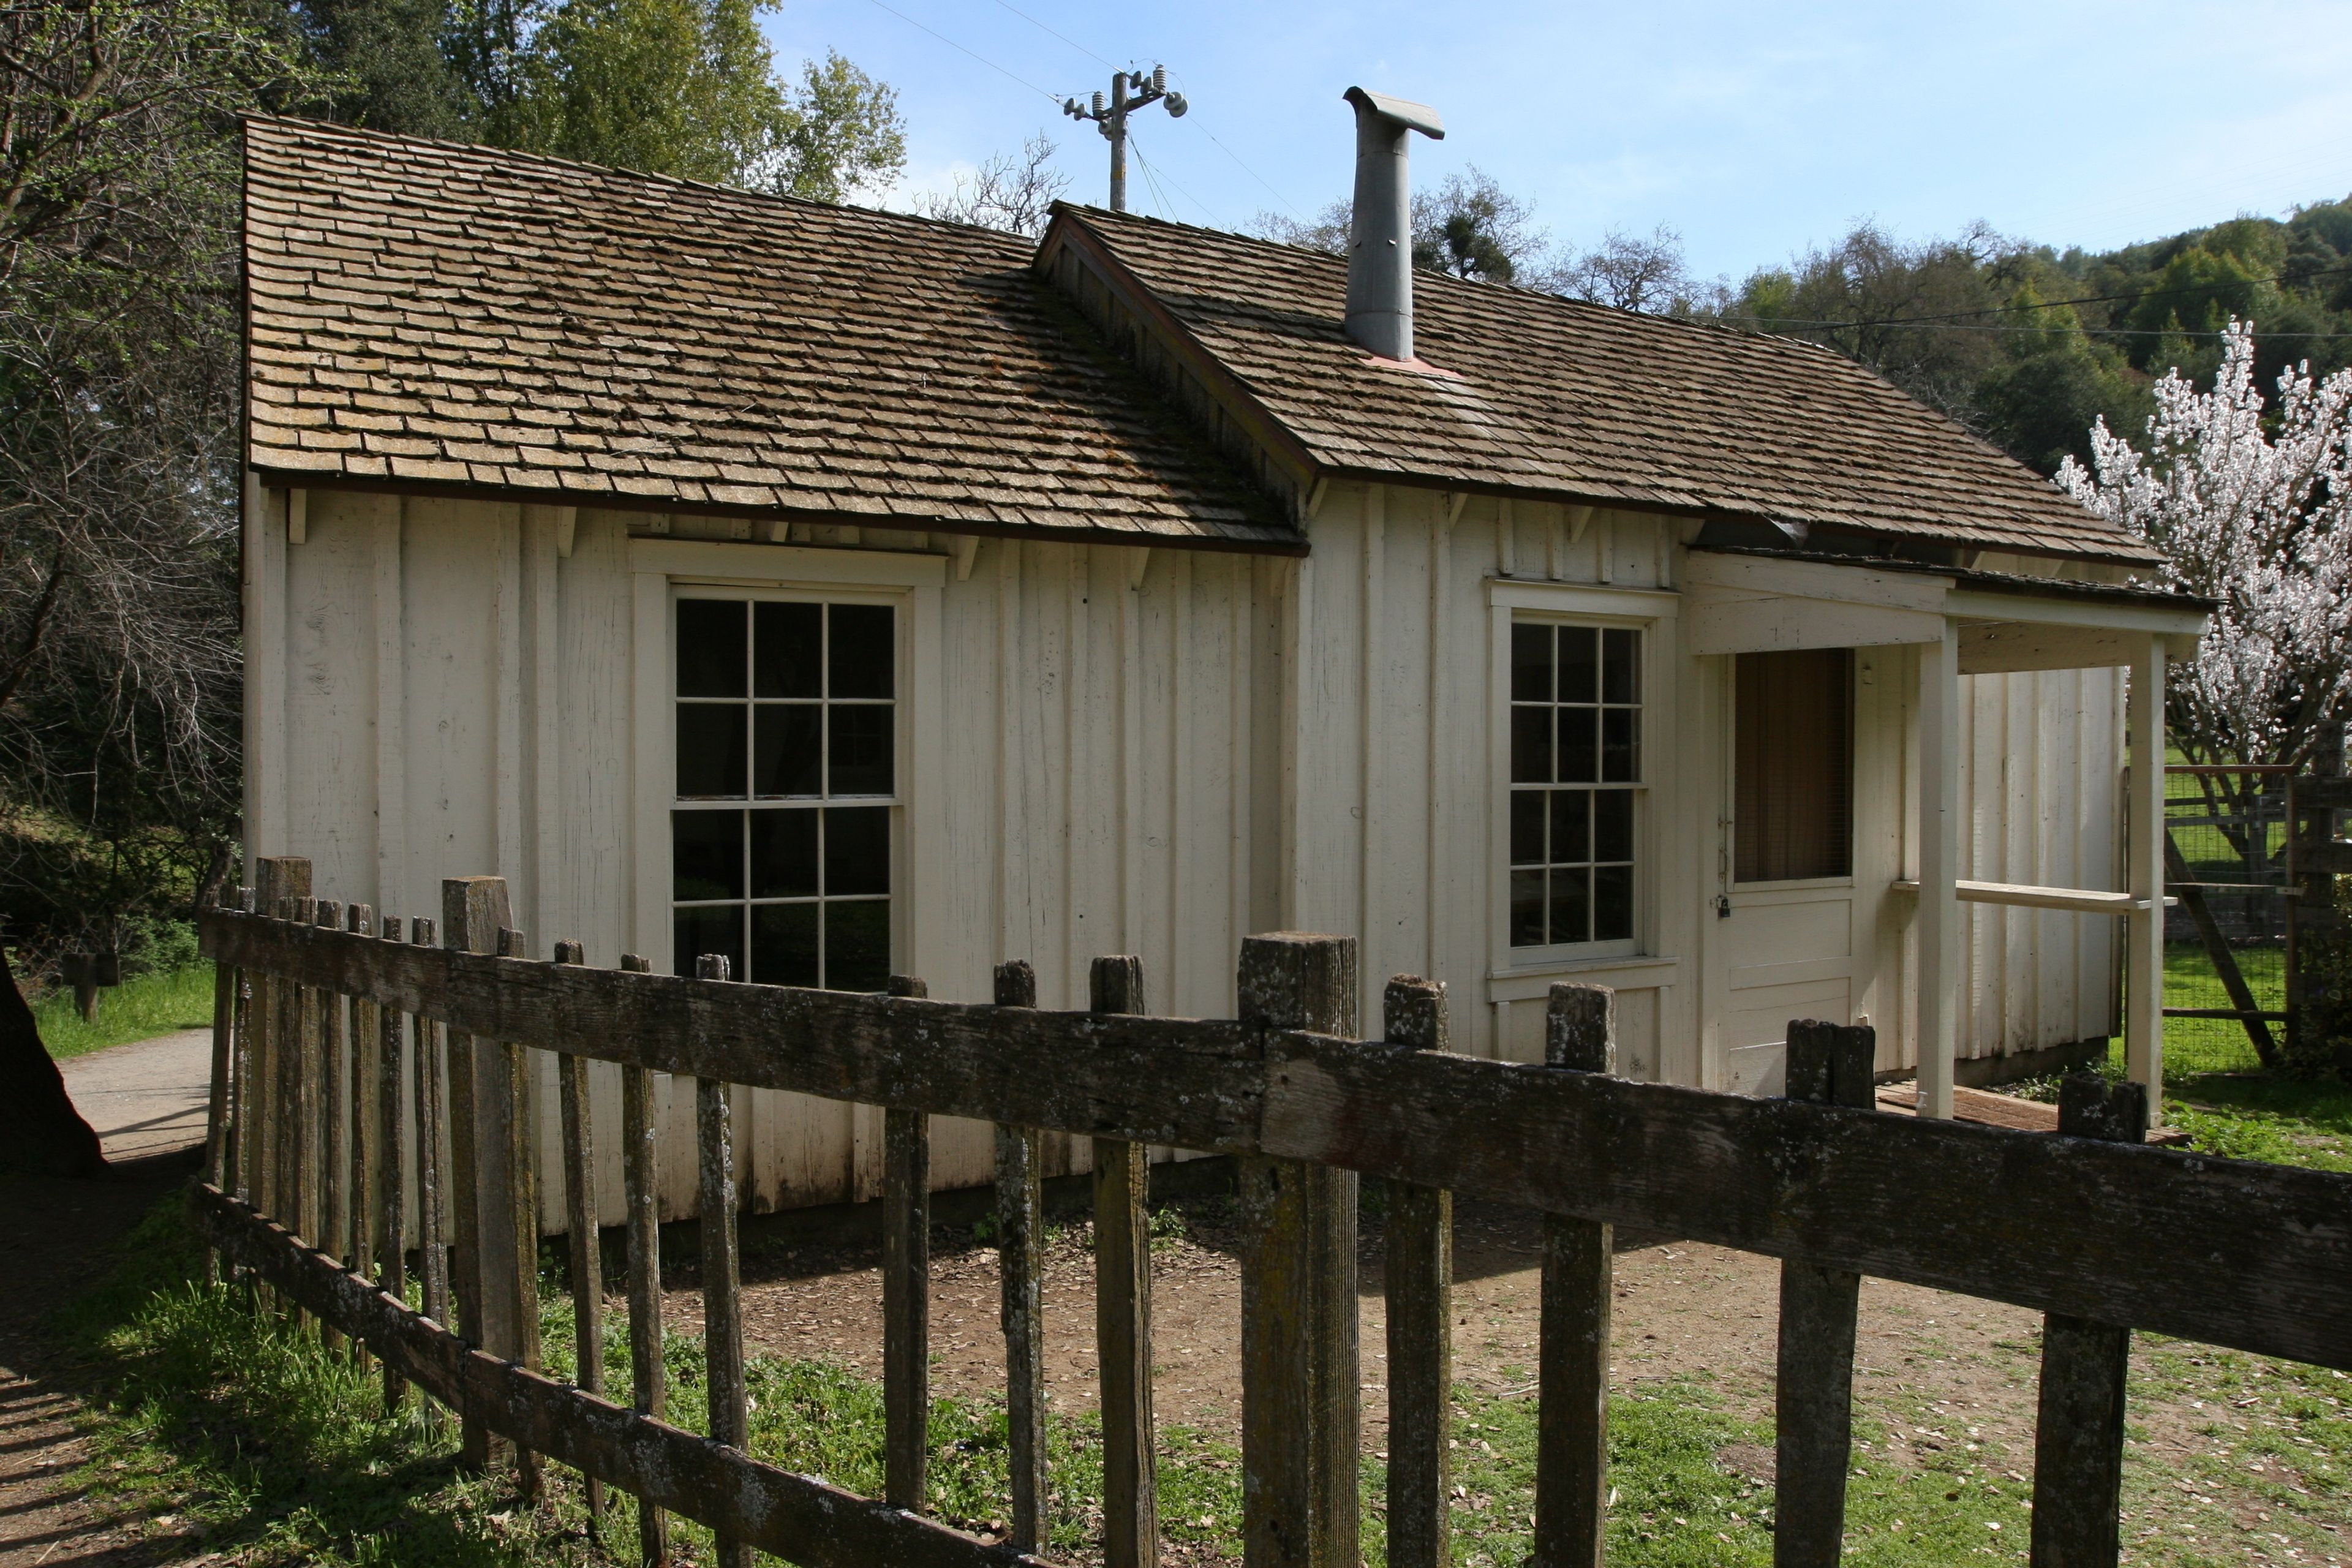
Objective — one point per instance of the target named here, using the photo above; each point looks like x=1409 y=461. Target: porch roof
x=1749 y=600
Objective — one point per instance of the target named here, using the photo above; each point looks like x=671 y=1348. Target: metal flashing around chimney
x=1379 y=240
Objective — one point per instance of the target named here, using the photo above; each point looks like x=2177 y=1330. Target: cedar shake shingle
x=1556 y=398
x=579 y=335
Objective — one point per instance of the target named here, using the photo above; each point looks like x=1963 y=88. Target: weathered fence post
x=1020 y=1235
x=283 y=879
x=2078 y=1432
x=365 y=1072
x=513 y=1131
x=473 y=910
x=296 y=1050
x=432 y=1045
x=242 y=1097
x=329 y=1210
x=219 y=1105
x=392 y=1173
x=579 y=1222
x=1122 y=1172
x=1418 y=1265
x=1828 y=1064
x=298 y=1125
x=1300 y=1401
x=905 y=1294
x=723 y=1303
x=1578 y=1278
x=641 y=1197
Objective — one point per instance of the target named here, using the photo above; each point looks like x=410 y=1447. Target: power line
x=983 y=59
x=1063 y=37
x=1157 y=175
x=1254 y=174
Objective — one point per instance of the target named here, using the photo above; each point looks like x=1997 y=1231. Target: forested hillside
x=2028 y=345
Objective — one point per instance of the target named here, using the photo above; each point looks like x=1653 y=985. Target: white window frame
x=1654 y=614
x=665 y=571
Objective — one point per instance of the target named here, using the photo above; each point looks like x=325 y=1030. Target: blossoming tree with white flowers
x=2252 y=506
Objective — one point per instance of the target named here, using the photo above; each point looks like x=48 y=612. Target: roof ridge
x=490 y=153
x=1541 y=296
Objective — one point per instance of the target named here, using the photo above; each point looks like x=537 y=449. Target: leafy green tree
x=487 y=44
x=391 y=68
x=686 y=87
x=2197 y=291
x=671 y=87
x=839 y=135
x=1891 y=306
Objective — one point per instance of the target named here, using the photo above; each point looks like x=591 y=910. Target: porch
x=1954 y=621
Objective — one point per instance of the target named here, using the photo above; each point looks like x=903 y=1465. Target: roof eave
x=607 y=501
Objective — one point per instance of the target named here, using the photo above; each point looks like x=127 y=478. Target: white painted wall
x=1108 y=751
x=452 y=696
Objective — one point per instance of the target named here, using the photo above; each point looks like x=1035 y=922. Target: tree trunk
x=41 y=1133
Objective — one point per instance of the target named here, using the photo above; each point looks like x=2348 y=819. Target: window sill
x=1533 y=981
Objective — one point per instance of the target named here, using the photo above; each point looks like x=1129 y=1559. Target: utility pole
x=1128 y=91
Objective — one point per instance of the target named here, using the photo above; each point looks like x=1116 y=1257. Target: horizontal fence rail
x=374 y=1093
x=2257 y=1257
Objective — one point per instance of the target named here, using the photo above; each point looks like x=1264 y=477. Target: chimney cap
x=1403 y=110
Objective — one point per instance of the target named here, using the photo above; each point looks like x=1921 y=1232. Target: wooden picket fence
x=353 y=1066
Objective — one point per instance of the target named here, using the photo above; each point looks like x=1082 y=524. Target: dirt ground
x=1682 y=1311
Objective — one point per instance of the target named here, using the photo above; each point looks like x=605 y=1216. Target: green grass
x=266 y=1447
x=277 y=1452
x=2195 y=1045
x=2286 y=1120
x=140 y=1008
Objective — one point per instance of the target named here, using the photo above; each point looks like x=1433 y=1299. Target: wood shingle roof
x=427 y=316
x=1554 y=397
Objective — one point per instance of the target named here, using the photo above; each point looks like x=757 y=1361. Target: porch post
x=1938 y=919
x=2143 y=926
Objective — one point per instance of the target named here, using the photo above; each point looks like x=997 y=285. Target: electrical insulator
x=1159 y=78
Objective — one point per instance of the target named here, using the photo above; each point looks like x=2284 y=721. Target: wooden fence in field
x=318 y=1132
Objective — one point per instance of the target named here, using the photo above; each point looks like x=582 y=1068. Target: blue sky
x=1752 y=130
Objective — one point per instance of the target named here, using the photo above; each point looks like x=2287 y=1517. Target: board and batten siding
x=1114 y=750
x=1081 y=746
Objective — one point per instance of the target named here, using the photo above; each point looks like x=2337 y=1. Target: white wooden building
x=855 y=593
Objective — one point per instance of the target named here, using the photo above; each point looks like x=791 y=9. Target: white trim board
x=784 y=566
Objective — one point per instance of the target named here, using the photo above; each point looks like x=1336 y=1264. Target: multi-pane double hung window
x=787 y=773
x=1576 y=768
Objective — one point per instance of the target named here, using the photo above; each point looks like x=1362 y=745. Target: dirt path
x=147 y=1102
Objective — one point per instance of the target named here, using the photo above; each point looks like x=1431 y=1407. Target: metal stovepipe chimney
x=1380 y=241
